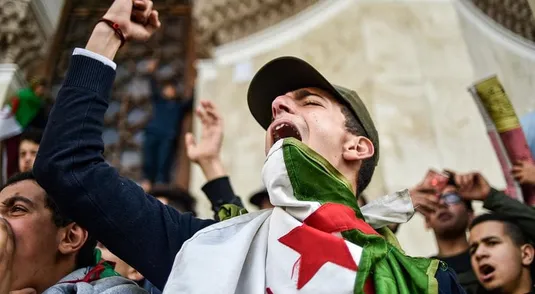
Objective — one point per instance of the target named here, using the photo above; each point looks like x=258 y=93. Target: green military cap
x=285 y=74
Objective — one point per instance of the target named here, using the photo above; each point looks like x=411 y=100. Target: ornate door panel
x=130 y=107
x=514 y=15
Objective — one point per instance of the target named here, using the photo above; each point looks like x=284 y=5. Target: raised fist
x=136 y=19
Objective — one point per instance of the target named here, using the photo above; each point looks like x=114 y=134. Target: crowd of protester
x=70 y=224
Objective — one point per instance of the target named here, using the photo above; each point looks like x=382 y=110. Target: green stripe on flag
x=314 y=179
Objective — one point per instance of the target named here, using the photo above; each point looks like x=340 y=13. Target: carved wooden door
x=130 y=106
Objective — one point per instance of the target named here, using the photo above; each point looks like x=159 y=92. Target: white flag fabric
x=274 y=251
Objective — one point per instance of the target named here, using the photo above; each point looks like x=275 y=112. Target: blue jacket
x=167 y=115
x=70 y=166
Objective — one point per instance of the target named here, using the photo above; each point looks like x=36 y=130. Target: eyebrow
x=490 y=238
x=303 y=93
x=486 y=239
x=16 y=198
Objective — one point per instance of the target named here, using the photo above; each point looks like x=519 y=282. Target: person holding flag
x=322 y=148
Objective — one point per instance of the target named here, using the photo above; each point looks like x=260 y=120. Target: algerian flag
x=9 y=126
x=16 y=116
x=315 y=240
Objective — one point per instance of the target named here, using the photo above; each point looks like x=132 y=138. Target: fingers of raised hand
x=190 y=140
x=24 y=291
x=6 y=240
x=208 y=113
x=465 y=182
x=517 y=169
x=428 y=200
x=211 y=110
x=140 y=4
x=203 y=116
x=154 y=19
x=142 y=10
x=426 y=207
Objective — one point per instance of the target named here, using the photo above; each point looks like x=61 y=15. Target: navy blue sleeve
x=188 y=105
x=448 y=282
x=219 y=192
x=71 y=168
x=154 y=89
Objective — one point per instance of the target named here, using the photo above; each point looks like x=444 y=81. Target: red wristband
x=116 y=28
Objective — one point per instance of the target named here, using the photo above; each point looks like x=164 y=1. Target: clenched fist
x=136 y=20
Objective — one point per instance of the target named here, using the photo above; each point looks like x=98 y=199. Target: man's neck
x=452 y=246
x=523 y=285
x=59 y=271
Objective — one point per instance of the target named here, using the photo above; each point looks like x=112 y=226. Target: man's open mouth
x=285 y=130
x=444 y=216
x=486 y=271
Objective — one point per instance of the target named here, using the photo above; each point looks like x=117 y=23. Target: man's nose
x=282 y=104
x=480 y=253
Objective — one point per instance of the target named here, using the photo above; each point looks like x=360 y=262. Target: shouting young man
x=451 y=221
x=43 y=251
x=322 y=148
x=501 y=254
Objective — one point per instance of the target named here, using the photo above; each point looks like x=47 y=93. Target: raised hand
x=524 y=172
x=137 y=19
x=472 y=186
x=206 y=152
x=211 y=139
x=424 y=199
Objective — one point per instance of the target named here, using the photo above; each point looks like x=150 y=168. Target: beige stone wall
x=409 y=62
x=496 y=51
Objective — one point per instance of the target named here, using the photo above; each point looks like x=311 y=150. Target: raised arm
x=474 y=186
x=154 y=87
x=70 y=166
x=206 y=153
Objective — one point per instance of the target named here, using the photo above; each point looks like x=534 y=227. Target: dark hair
x=85 y=256
x=368 y=166
x=33 y=135
x=258 y=197
x=511 y=228
x=468 y=204
x=177 y=198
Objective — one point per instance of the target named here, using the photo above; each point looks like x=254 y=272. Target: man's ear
x=357 y=148
x=73 y=237
x=527 y=254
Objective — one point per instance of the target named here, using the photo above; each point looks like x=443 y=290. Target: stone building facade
x=411 y=61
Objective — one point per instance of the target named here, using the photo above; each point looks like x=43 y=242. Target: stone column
x=532 y=6
x=22 y=42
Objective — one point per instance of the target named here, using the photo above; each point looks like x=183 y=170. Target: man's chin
x=492 y=286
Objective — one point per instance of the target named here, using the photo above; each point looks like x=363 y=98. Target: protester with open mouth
x=501 y=255
x=451 y=221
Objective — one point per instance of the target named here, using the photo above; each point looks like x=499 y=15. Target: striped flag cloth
x=315 y=240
